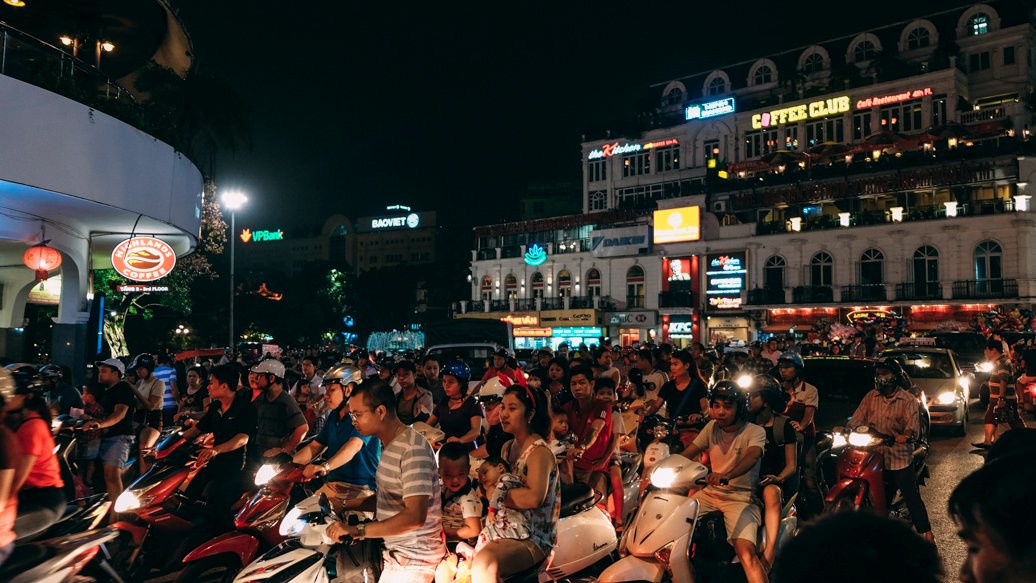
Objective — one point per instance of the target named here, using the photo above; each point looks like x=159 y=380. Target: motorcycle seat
x=24 y=558
x=529 y=575
x=576 y=498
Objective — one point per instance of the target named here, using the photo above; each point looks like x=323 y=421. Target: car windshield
x=477 y=357
x=924 y=365
x=962 y=343
x=841 y=385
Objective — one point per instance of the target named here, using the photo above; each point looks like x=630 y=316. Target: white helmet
x=269 y=366
x=344 y=374
x=494 y=388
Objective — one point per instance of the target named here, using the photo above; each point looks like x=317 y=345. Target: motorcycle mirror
x=325 y=505
x=863 y=429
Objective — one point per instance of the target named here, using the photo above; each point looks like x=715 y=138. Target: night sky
x=455 y=107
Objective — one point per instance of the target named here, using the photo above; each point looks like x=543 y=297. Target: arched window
x=511 y=286
x=716 y=87
x=918 y=38
x=773 y=272
x=814 y=64
x=872 y=264
x=763 y=75
x=864 y=51
x=673 y=97
x=821 y=269
x=635 y=287
x=486 y=288
x=593 y=282
x=925 y=268
x=988 y=262
x=978 y=24
x=564 y=283
x=598 y=200
x=537 y=285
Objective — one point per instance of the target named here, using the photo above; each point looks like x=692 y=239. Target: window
x=918 y=38
x=486 y=288
x=1008 y=55
x=978 y=62
x=667 y=159
x=763 y=75
x=978 y=24
x=938 y=110
x=511 y=286
x=760 y=142
x=926 y=271
x=827 y=130
x=673 y=97
x=773 y=273
x=635 y=287
x=791 y=137
x=597 y=170
x=598 y=200
x=821 y=269
x=871 y=267
x=988 y=257
x=537 y=285
x=636 y=165
x=864 y=51
x=813 y=64
x=716 y=87
x=710 y=150
x=564 y=283
x=902 y=117
x=861 y=125
x=593 y=282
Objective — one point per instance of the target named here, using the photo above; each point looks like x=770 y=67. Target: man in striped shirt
x=167 y=374
x=407 y=504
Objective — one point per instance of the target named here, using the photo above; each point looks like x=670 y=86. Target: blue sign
x=725 y=278
x=621 y=241
x=578 y=332
x=709 y=109
x=535 y=255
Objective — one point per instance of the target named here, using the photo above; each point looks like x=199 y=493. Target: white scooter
x=657 y=545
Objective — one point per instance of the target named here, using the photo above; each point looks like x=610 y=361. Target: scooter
x=860 y=479
x=671 y=540
x=55 y=560
x=585 y=536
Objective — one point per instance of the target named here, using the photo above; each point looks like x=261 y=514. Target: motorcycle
x=860 y=478
x=55 y=560
x=671 y=540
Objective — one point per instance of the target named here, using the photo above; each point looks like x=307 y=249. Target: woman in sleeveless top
x=524 y=414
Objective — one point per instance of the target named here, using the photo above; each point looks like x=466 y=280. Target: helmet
x=387 y=362
x=457 y=368
x=144 y=360
x=770 y=390
x=7 y=386
x=26 y=378
x=899 y=376
x=793 y=358
x=494 y=389
x=269 y=366
x=729 y=391
x=112 y=363
x=344 y=374
x=51 y=372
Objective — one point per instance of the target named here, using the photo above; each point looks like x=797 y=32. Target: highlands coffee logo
x=143 y=259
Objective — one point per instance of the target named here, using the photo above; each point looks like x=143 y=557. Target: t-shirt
x=150 y=388
x=240 y=418
x=278 y=418
x=361 y=469
x=408 y=469
x=681 y=403
x=496 y=437
x=119 y=394
x=727 y=449
x=35 y=438
x=580 y=422
x=8 y=508
x=460 y=506
x=774 y=459
x=168 y=376
x=457 y=422
x=193 y=402
x=657 y=378
x=416 y=408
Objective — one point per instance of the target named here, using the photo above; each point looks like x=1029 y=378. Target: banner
x=619 y=242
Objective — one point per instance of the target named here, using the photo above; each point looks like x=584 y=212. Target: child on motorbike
x=501 y=522
x=560 y=440
x=605 y=391
x=461 y=509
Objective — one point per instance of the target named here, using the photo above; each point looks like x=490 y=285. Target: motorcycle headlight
x=860 y=439
x=946 y=398
x=984 y=367
x=292 y=523
x=127 y=501
x=838 y=440
x=265 y=474
x=663 y=477
x=744 y=381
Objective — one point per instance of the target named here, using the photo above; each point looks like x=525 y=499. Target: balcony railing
x=864 y=293
x=931 y=290
x=765 y=295
x=634 y=302
x=985 y=288
x=812 y=294
x=675 y=300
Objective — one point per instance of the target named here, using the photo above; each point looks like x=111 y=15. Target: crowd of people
x=534 y=427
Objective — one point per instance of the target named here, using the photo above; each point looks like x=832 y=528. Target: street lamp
x=232 y=201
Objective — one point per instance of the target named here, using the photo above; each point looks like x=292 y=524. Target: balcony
x=813 y=295
x=538 y=304
x=765 y=296
x=985 y=289
x=931 y=290
x=634 y=302
x=673 y=300
x=864 y=293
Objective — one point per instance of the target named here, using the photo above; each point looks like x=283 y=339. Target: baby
x=461 y=512
x=501 y=521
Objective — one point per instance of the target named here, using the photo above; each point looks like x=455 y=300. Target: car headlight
x=963 y=382
x=838 y=440
x=946 y=398
x=127 y=501
x=292 y=523
x=984 y=367
x=663 y=477
x=744 y=381
x=860 y=439
x=265 y=474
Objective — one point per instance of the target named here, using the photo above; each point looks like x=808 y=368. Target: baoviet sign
x=143 y=259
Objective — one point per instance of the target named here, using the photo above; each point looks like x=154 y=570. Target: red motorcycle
x=258 y=525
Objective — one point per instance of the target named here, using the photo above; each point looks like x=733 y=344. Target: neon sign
x=710 y=109
x=516 y=320
x=661 y=144
x=412 y=221
x=726 y=277
x=609 y=150
x=260 y=236
x=535 y=255
x=887 y=99
x=797 y=113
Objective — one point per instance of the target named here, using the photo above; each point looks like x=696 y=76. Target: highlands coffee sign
x=143 y=259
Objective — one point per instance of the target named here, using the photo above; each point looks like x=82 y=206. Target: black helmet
x=770 y=390
x=899 y=376
x=144 y=360
x=729 y=391
x=26 y=378
x=51 y=372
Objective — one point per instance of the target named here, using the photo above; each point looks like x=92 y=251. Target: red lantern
x=42 y=259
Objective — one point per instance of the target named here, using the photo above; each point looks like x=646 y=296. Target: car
x=970 y=348
x=946 y=387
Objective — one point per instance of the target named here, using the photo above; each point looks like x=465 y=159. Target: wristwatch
x=326 y=468
x=360 y=528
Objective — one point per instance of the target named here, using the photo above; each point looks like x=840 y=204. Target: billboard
x=619 y=242
x=678 y=225
x=726 y=276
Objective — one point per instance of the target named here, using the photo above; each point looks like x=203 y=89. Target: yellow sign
x=516 y=320
x=533 y=332
x=677 y=225
x=797 y=113
x=568 y=317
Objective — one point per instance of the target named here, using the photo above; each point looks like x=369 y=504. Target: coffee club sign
x=797 y=113
x=143 y=259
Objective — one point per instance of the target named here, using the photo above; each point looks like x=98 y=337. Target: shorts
x=398 y=568
x=88 y=450
x=115 y=450
x=1005 y=411
x=154 y=419
x=741 y=518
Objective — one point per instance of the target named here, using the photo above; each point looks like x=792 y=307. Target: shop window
x=821 y=270
x=773 y=272
x=635 y=287
x=872 y=264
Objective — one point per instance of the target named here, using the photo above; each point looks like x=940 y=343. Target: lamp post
x=232 y=200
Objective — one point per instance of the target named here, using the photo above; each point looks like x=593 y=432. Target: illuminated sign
x=726 y=276
x=887 y=99
x=260 y=236
x=680 y=326
x=797 y=113
x=143 y=258
x=533 y=332
x=641 y=319
x=679 y=270
x=869 y=316
x=618 y=242
x=579 y=331
x=710 y=109
x=47 y=292
x=661 y=144
x=150 y=289
x=609 y=150
x=397 y=207
x=411 y=220
x=677 y=225
x=521 y=320
x=535 y=255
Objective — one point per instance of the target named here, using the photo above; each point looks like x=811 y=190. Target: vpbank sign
x=622 y=241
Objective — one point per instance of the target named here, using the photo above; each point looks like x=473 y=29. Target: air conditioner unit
x=720 y=206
